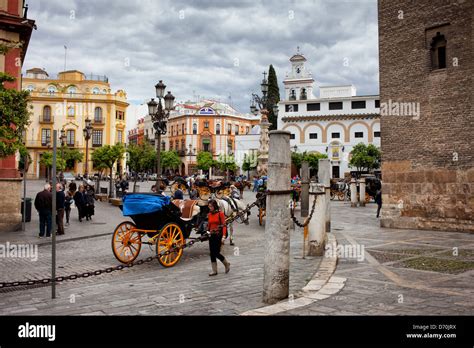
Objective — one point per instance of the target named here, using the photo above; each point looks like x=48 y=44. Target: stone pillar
x=353 y=193
x=276 y=270
x=317 y=225
x=10 y=207
x=362 y=192
x=324 y=174
x=210 y=173
x=304 y=189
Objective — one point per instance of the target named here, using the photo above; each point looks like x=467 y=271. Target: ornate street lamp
x=262 y=105
x=160 y=116
x=87 y=135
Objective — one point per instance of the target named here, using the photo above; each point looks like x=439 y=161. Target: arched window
x=47 y=113
x=292 y=94
x=95 y=90
x=218 y=128
x=52 y=89
x=195 y=128
x=303 y=95
x=438 y=52
x=30 y=88
x=98 y=114
x=71 y=90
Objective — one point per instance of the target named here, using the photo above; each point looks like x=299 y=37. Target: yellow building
x=64 y=103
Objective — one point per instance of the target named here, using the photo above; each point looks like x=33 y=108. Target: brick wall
x=424 y=187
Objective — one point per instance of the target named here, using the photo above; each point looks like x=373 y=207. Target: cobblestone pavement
x=404 y=272
x=149 y=288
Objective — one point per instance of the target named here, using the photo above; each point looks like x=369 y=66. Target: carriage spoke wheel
x=126 y=242
x=170 y=236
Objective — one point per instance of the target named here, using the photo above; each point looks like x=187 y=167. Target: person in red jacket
x=218 y=231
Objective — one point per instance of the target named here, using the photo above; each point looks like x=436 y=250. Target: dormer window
x=51 y=89
x=71 y=90
x=438 y=52
x=95 y=90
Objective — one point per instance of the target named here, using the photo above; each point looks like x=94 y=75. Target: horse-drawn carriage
x=156 y=221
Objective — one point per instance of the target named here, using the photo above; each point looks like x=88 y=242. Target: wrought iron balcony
x=98 y=121
x=48 y=119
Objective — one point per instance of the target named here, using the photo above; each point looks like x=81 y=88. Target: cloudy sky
x=209 y=48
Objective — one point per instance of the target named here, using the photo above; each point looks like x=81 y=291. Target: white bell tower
x=299 y=82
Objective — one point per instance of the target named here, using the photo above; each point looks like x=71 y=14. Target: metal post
x=86 y=173
x=276 y=274
x=324 y=174
x=25 y=165
x=53 y=219
x=304 y=189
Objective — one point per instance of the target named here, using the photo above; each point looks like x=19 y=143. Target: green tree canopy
x=226 y=162
x=141 y=157
x=47 y=161
x=250 y=162
x=71 y=156
x=14 y=117
x=205 y=160
x=297 y=158
x=106 y=156
x=365 y=157
x=170 y=159
x=273 y=96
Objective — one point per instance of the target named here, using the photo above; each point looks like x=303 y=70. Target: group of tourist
x=82 y=198
x=259 y=182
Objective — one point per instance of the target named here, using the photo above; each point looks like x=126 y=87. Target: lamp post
x=262 y=105
x=87 y=135
x=62 y=139
x=159 y=116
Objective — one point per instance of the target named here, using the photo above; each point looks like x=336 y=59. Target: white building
x=331 y=123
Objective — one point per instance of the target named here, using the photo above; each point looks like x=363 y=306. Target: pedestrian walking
x=90 y=197
x=217 y=228
x=378 y=200
x=60 y=200
x=68 y=200
x=79 y=201
x=44 y=206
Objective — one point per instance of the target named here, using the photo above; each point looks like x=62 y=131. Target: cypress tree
x=273 y=96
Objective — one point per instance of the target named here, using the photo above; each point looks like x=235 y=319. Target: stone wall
x=10 y=209
x=428 y=158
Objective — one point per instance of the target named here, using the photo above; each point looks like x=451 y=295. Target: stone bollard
x=304 y=189
x=353 y=193
x=276 y=269
x=362 y=192
x=324 y=174
x=317 y=225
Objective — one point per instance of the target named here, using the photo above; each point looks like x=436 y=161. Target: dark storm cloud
x=210 y=48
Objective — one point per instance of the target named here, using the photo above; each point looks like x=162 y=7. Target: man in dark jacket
x=44 y=205
x=60 y=199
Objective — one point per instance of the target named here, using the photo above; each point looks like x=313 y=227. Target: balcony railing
x=96 y=145
x=99 y=121
x=49 y=119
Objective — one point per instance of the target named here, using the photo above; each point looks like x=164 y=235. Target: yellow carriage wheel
x=126 y=242
x=170 y=236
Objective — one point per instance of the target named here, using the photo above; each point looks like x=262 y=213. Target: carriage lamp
x=87 y=135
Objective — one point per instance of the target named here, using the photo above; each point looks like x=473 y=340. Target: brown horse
x=241 y=185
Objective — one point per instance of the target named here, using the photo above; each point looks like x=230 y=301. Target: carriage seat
x=188 y=208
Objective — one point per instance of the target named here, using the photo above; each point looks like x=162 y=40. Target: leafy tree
x=14 y=117
x=47 y=161
x=71 y=156
x=273 y=96
x=205 y=161
x=106 y=157
x=23 y=153
x=365 y=157
x=249 y=163
x=170 y=159
x=298 y=158
x=226 y=163
x=140 y=159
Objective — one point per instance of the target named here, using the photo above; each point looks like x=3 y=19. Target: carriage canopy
x=134 y=204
